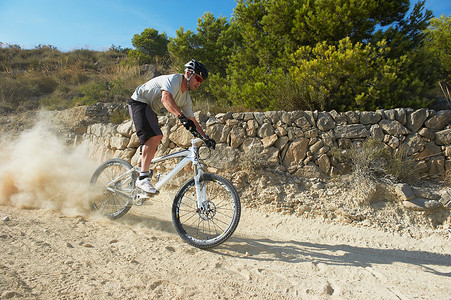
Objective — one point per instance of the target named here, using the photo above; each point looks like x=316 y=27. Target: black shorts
x=145 y=120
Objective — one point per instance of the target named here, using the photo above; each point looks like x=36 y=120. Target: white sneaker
x=145 y=185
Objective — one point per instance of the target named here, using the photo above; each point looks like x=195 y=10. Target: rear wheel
x=215 y=221
x=111 y=189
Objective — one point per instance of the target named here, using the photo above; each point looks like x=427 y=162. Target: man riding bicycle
x=170 y=92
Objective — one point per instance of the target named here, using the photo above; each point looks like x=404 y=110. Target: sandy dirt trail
x=47 y=255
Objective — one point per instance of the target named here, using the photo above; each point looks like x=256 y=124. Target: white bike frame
x=189 y=155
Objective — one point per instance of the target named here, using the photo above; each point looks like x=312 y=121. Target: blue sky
x=98 y=24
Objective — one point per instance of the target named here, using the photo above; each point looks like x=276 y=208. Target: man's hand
x=187 y=123
x=211 y=143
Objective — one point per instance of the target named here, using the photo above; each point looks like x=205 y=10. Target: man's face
x=195 y=82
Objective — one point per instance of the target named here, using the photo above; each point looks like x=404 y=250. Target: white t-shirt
x=150 y=93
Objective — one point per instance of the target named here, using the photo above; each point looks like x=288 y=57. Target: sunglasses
x=198 y=78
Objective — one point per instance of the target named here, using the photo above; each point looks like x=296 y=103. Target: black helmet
x=198 y=68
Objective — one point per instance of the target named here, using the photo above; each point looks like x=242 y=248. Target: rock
x=316 y=146
x=271 y=156
x=134 y=141
x=310 y=170
x=376 y=132
x=351 y=131
x=404 y=191
x=281 y=142
x=445 y=199
x=430 y=150
x=126 y=128
x=181 y=137
x=252 y=144
x=237 y=136
x=285 y=117
x=439 y=121
x=401 y=116
x=296 y=152
x=324 y=163
x=119 y=142
x=325 y=121
x=413 y=144
x=214 y=131
x=424 y=193
x=443 y=137
x=251 y=128
x=393 y=127
x=353 y=117
x=421 y=204
x=224 y=157
x=201 y=117
x=369 y=117
x=232 y=122
x=301 y=119
x=294 y=133
x=427 y=133
x=265 y=130
x=260 y=117
x=436 y=165
x=269 y=141
x=273 y=116
x=416 y=119
x=223 y=117
x=339 y=119
x=389 y=114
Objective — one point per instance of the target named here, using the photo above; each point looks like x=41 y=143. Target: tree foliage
x=212 y=44
x=151 y=47
x=349 y=76
x=438 y=42
x=315 y=54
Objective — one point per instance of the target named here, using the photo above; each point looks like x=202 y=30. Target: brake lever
x=196 y=134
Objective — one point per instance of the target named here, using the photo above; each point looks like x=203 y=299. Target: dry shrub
x=372 y=163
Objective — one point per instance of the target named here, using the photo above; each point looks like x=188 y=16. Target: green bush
x=119 y=115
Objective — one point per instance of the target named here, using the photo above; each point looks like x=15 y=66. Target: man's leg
x=148 y=152
x=149 y=135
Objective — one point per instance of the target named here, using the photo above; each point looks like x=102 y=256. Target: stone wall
x=298 y=142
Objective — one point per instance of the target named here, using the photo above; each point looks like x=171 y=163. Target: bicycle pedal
x=142 y=197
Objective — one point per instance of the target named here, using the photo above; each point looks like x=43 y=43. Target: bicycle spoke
x=213 y=222
x=113 y=186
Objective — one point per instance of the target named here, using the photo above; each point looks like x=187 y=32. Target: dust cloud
x=38 y=170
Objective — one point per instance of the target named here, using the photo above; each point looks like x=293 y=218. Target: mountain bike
x=206 y=209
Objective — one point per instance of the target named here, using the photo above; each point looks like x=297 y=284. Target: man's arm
x=169 y=103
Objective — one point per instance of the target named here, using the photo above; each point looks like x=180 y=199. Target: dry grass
x=373 y=162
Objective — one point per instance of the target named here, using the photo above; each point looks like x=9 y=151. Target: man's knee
x=153 y=140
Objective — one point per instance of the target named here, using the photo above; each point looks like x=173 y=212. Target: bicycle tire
x=206 y=229
x=112 y=203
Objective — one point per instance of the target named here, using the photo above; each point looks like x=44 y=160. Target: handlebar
x=207 y=141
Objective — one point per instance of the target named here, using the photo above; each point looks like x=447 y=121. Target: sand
x=45 y=254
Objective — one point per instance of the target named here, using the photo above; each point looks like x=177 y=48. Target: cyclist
x=170 y=92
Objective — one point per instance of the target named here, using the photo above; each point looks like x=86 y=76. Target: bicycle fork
x=201 y=193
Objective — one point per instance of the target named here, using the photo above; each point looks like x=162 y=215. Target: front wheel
x=214 y=222
x=111 y=188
